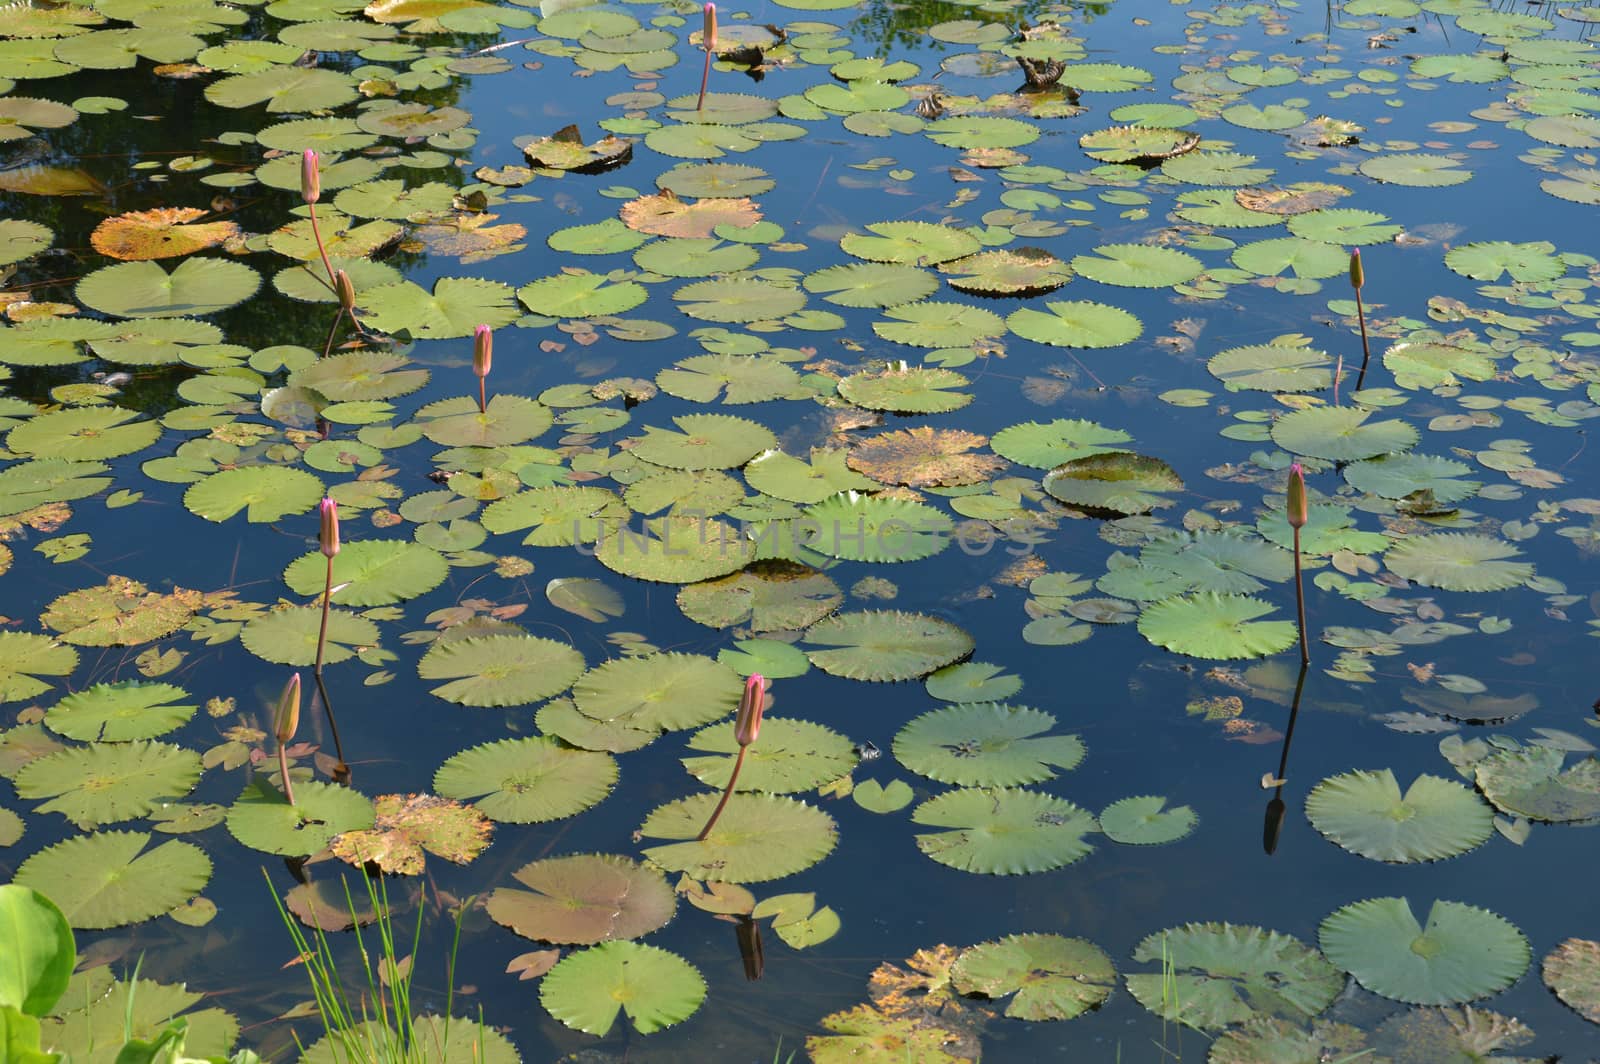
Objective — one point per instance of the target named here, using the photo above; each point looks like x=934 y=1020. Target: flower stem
x=732 y=779
x=321 y=250
x=283 y=768
x=1300 y=603
x=322 y=632
x=483 y=402
x=705 y=75
x=1366 y=352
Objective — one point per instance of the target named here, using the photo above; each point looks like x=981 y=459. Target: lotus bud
x=345 y=290
x=287 y=719
x=1297 y=511
x=329 y=534
x=483 y=350
x=310 y=178
x=1357 y=277
x=708 y=35
x=747 y=725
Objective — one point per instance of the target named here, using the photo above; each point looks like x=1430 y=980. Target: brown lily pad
x=119 y=613
x=162 y=233
x=1299 y=198
x=1572 y=970
x=664 y=214
x=584 y=899
x=565 y=150
x=408 y=824
x=925 y=457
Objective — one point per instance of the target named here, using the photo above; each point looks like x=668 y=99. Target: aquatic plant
x=1358 y=278
x=482 y=359
x=746 y=728
x=1297 y=512
x=284 y=723
x=708 y=43
x=311 y=192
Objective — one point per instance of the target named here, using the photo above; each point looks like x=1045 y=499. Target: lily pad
x=587 y=990
x=1116 y=482
x=527 y=781
x=1462 y=954
x=1572 y=971
x=1458 y=561
x=1341 y=434
x=1365 y=813
x=660 y=692
x=406 y=825
x=1079 y=323
x=584 y=899
x=120 y=712
x=768 y=597
x=705 y=441
x=1003 y=832
x=108 y=879
x=195 y=288
x=874 y=528
x=1417 y=170
x=904 y=389
x=373 y=572
x=1532 y=782
x=1138 y=266
x=758 y=837
x=263 y=493
x=500 y=669
x=24 y=657
x=1053 y=977
x=910 y=243
x=263 y=819
x=792 y=756
x=1146 y=821
x=986 y=744
x=1209 y=625
x=1225 y=974
x=1045 y=445
x=109 y=782
x=884 y=645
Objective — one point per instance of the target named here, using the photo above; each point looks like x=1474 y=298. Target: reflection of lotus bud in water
x=1273 y=826
x=708 y=34
x=1297 y=511
x=310 y=179
x=287 y=718
x=747 y=725
x=482 y=350
x=345 y=290
x=1357 y=276
x=751 y=954
x=328 y=537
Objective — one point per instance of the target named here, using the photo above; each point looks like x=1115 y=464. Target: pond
x=462 y=442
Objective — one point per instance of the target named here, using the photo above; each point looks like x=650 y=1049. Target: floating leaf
x=874 y=528
x=758 y=837
x=1011 y=271
x=706 y=441
x=1053 y=977
x=676 y=550
x=263 y=819
x=120 y=612
x=662 y=692
x=373 y=572
x=1080 y=323
x=1365 y=813
x=109 y=782
x=1416 y=170
x=792 y=756
x=107 y=879
x=1116 y=482
x=911 y=243
x=1572 y=970
x=1464 y=952
x=1341 y=434
x=1532 y=783
x=24 y=657
x=884 y=645
x=527 y=781
x=922 y=457
x=738 y=379
x=656 y=989
x=1458 y=561
x=1210 y=625
x=904 y=389
x=289 y=636
x=264 y=493
x=1138 y=266
x=406 y=825
x=500 y=669
x=768 y=597
x=162 y=233
x=1003 y=832
x=196 y=287
x=785 y=477
x=986 y=744
x=557 y=516
x=584 y=899
x=1145 y=821
x=1225 y=974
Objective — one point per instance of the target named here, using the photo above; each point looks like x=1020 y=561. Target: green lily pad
x=264 y=493
x=1053 y=977
x=660 y=692
x=1266 y=1040
x=109 y=782
x=26 y=485
x=1273 y=368
x=580 y=295
x=1019 y=271
x=792 y=756
x=1079 y=323
x=587 y=990
x=758 y=837
x=557 y=516
x=874 y=528
x=509 y=420
x=739 y=299
x=1145 y=820
x=1209 y=625
x=373 y=572
x=1344 y=226
x=871 y=284
x=768 y=597
x=262 y=818
x=1490 y=260
x=909 y=243
x=1418 y=170
x=1532 y=782
x=1226 y=974
x=972 y=681
x=561 y=719
x=194 y=288
x=1341 y=434
x=1003 y=832
x=903 y=389
x=500 y=669
x=938 y=324
x=454 y=308
x=24 y=657
x=527 y=781
x=83 y=435
x=1464 y=953
x=786 y=477
x=737 y=379
x=289 y=636
x=120 y=712
x=360 y=376
x=1138 y=266
x=584 y=899
x=1293 y=255
x=1365 y=813
x=1457 y=561
x=1049 y=444
x=1116 y=482
x=1401 y=475
x=986 y=744
x=107 y=879
x=884 y=645
x=705 y=441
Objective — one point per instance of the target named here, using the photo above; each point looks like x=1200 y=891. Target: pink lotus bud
x=287 y=718
x=346 y=291
x=1296 y=507
x=708 y=34
x=482 y=350
x=310 y=179
x=1357 y=276
x=747 y=725
x=329 y=534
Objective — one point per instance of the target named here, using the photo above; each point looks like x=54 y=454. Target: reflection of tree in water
x=893 y=24
x=166 y=119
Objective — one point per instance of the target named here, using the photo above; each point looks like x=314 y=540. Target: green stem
x=1300 y=603
x=283 y=767
x=1366 y=352
x=732 y=779
x=321 y=250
